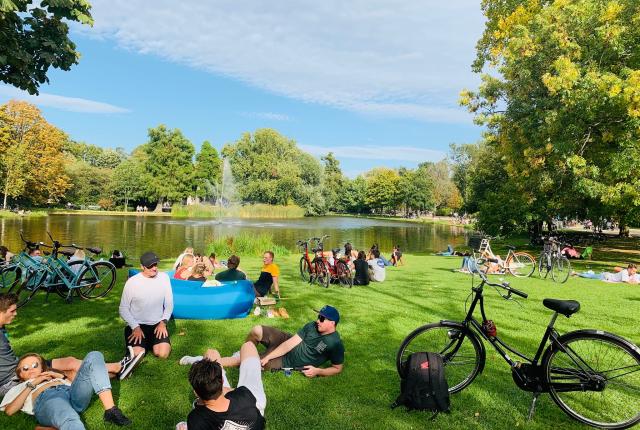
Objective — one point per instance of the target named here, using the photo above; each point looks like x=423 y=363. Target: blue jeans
x=61 y=405
x=591 y=275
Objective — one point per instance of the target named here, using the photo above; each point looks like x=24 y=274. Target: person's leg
x=53 y=408
x=591 y=275
x=67 y=365
x=91 y=378
x=161 y=346
x=251 y=374
x=254 y=336
x=137 y=347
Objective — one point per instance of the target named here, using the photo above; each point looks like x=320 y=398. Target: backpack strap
x=439 y=382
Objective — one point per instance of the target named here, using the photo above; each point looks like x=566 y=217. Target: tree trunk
x=624 y=230
x=126 y=201
x=159 y=205
x=6 y=190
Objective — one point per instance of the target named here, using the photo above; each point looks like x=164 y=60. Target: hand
x=212 y=355
x=161 y=330
x=42 y=378
x=264 y=361
x=310 y=371
x=136 y=336
x=53 y=374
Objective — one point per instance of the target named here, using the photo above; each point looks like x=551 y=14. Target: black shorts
x=149 y=339
x=271 y=339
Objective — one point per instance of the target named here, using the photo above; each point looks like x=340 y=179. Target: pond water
x=136 y=234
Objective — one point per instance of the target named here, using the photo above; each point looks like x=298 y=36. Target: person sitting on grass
x=187 y=251
x=232 y=273
x=449 y=252
x=269 y=276
x=314 y=344
x=214 y=261
x=186 y=267
x=198 y=273
x=218 y=406
x=377 y=271
x=57 y=402
x=396 y=256
x=628 y=275
x=362 y=270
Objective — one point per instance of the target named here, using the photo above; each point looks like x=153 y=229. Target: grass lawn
x=375 y=319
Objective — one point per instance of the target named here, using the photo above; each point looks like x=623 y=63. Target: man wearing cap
x=314 y=344
x=146 y=305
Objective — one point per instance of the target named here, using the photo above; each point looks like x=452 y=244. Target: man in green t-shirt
x=232 y=273
x=313 y=345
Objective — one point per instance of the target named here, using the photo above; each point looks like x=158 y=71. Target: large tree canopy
x=34 y=37
x=563 y=112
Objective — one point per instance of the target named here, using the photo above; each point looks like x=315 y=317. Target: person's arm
x=16 y=404
x=311 y=371
x=125 y=308
x=282 y=349
x=168 y=301
x=276 y=286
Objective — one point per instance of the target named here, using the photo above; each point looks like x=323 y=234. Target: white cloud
x=272 y=116
x=396 y=153
x=400 y=59
x=72 y=104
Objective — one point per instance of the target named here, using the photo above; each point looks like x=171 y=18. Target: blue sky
x=376 y=82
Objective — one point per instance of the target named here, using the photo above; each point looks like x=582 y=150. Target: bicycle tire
x=560 y=269
x=305 y=269
x=543 y=265
x=521 y=264
x=60 y=287
x=322 y=274
x=28 y=287
x=344 y=274
x=100 y=277
x=10 y=276
x=613 y=361
x=462 y=352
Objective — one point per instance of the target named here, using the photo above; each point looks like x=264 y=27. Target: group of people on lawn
x=370 y=266
x=56 y=391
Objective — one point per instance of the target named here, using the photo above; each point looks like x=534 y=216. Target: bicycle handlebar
x=504 y=285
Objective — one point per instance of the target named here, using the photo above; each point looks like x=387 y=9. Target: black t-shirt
x=241 y=415
x=362 y=272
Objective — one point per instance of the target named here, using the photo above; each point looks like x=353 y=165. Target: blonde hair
x=199 y=269
x=187 y=260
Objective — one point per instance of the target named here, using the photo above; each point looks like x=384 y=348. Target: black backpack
x=425 y=386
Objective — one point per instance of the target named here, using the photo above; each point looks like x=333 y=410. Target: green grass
x=237 y=211
x=375 y=319
x=28 y=214
x=246 y=244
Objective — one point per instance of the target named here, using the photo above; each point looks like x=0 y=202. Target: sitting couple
x=56 y=391
x=220 y=407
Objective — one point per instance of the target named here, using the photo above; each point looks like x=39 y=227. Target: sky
x=375 y=82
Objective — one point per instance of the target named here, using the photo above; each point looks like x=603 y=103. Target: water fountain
x=226 y=194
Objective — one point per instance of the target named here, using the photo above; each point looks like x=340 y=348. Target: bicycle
x=306 y=264
x=11 y=274
x=593 y=376
x=519 y=264
x=325 y=272
x=552 y=261
x=54 y=274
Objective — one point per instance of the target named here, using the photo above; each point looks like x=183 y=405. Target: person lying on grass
x=67 y=365
x=314 y=344
x=628 y=275
x=54 y=400
x=218 y=406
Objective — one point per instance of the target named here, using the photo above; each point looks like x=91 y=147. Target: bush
x=246 y=211
x=246 y=244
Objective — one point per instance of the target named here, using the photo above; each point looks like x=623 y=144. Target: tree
x=382 y=185
x=168 y=169
x=90 y=184
x=127 y=179
x=32 y=162
x=208 y=171
x=333 y=183
x=95 y=155
x=444 y=190
x=415 y=190
x=34 y=37
x=564 y=111
x=353 y=196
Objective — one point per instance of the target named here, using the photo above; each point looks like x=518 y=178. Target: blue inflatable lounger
x=193 y=301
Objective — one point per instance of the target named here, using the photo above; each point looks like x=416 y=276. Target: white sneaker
x=129 y=363
x=188 y=360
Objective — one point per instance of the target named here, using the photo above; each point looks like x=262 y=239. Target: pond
x=166 y=236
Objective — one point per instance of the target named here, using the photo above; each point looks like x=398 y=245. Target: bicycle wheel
x=561 y=269
x=28 y=287
x=96 y=280
x=305 y=269
x=344 y=274
x=595 y=378
x=58 y=284
x=544 y=265
x=521 y=264
x=461 y=351
x=9 y=277
x=322 y=273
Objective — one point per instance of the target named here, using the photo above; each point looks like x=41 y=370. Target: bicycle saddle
x=564 y=307
x=94 y=250
x=66 y=252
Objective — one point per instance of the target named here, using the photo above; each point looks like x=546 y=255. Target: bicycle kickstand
x=532 y=408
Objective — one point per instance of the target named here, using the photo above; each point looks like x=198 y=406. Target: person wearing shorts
x=219 y=406
x=146 y=306
x=313 y=345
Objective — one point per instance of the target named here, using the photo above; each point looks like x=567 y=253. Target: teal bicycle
x=89 y=279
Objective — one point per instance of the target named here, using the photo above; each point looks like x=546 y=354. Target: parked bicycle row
x=64 y=269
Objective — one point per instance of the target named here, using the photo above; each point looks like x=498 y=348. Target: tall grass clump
x=26 y=214
x=246 y=244
x=259 y=210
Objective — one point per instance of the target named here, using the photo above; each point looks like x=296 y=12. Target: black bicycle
x=592 y=375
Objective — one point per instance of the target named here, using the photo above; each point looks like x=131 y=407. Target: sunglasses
x=152 y=266
x=35 y=365
x=321 y=318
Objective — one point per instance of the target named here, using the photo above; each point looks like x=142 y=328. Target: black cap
x=148 y=259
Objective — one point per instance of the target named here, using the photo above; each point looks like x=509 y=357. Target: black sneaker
x=128 y=363
x=115 y=416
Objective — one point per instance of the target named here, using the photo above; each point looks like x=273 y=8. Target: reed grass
x=245 y=211
x=246 y=244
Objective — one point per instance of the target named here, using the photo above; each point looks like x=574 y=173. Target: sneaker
x=128 y=363
x=115 y=416
x=188 y=360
